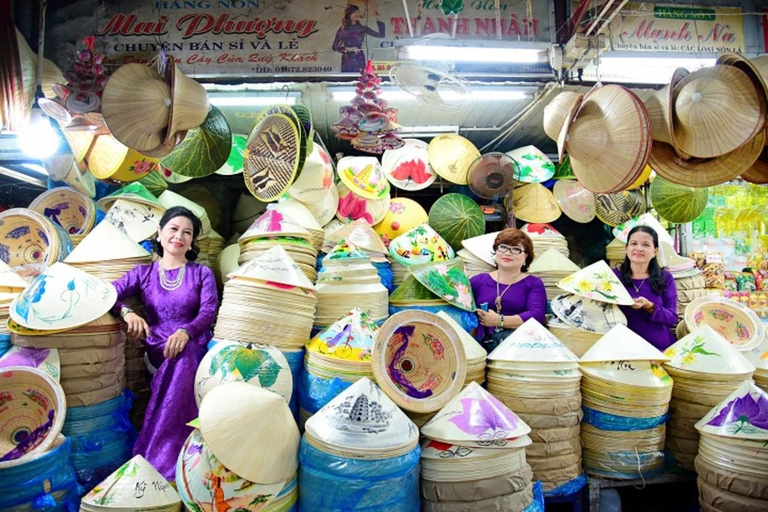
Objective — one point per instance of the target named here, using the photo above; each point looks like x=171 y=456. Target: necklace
x=171 y=284
x=637 y=288
x=500 y=295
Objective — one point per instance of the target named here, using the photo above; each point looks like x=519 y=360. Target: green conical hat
x=204 y=150
x=135 y=192
x=154 y=182
x=412 y=291
x=563 y=170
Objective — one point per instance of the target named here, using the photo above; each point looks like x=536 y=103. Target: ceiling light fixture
x=238 y=100
x=519 y=55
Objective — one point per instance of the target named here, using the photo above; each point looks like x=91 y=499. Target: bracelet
x=125 y=310
x=501 y=321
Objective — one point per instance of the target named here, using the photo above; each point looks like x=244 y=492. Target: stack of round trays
x=758 y=356
x=551 y=267
x=474 y=265
x=706 y=369
x=299 y=213
x=107 y=253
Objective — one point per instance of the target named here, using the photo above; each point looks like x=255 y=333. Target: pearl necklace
x=171 y=284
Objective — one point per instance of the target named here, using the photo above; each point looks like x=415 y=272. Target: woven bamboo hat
x=136 y=104
x=63 y=167
x=660 y=108
x=189 y=102
x=556 y=112
x=535 y=203
x=758 y=173
x=450 y=155
x=110 y=159
x=615 y=209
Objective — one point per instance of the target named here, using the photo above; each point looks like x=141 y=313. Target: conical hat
x=677 y=203
x=204 y=149
x=315 y=179
x=403 y=214
x=557 y=110
x=325 y=210
x=345 y=251
x=70 y=209
x=706 y=351
x=532 y=342
x=297 y=212
x=535 y=203
x=646 y=374
x=743 y=415
x=274 y=266
x=587 y=314
x=622 y=344
x=540 y=230
x=363 y=176
x=621 y=231
x=597 y=282
x=733 y=320
x=450 y=155
x=533 y=166
x=10 y=280
x=363 y=419
x=62 y=297
x=79 y=141
x=408 y=168
x=109 y=158
x=106 y=243
x=552 y=261
x=472 y=348
x=475 y=416
x=234 y=163
x=420 y=245
x=758 y=356
x=669 y=258
x=350 y=338
x=361 y=234
x=272 y=443
x=45 y=359
x=135 y=192
x=482 y=246
x=352 y=206
x=448 y=281
x=170 y=199
x=412 y=291
x=575 y=201
x=63 y=167
x=189 y=101
x=660 y=108
x=274 y=223
x=615 y=209
x=136 y=220
x=136 y=485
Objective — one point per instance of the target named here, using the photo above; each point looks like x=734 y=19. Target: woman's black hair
x=348 y=12
x=197 y=227
x=655 y=273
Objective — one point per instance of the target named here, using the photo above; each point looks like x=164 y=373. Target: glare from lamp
x=475 y=54
x=251 y=101
x=397 y=96
x=38 y=139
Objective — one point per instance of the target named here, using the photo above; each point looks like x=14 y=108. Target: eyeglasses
x=506 y=249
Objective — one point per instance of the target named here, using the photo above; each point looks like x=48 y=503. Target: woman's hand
x=175 y=344
x=136 y=325
x=644 y=304
x=488 y=318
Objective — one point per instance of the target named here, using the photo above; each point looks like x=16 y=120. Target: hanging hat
x=419 y=361
x=447 y=280
x=492 y=175
x=134 y=192
x=189 y=103
x=742 y=415
x=234 y=163
x=644 y=177
x=273 y=266
x=597 y=282
x=706 y=351
x=31 y=239
x=325 y=210
x=33 y=413
x=535 y=203
x=609 y=140
x=758 y=173
x=204 y=150
x=450 y=155
x=106 y=243
x=363 y=176
x=274 y=223
x=645 y=374
x=62 y=297
x=136 y=104
x=155 y=182
x=361 y=234
x=136 y=220
x=475 y=417
x=533 y=166
x=622 y=344
x=408 y=168
x=255 y=364
x=315 y=179
x=79 y=142
x=68 y=208
x=420 y=245
x=352 y=206
x=677 y=203
x=532 y=342
x=362 y=423
x=587 y=314
x=135 y=485
x=660 y=108
x=733 y=320
x=170 y=199
x=272 y=443
x=557 y=110
x=621 y=232
x=482 y=246
x=552 y=260
x=172 y=177
x=575 y=201
x=63 y=167
x=615 y=209
x=456 y=217
x=109 y=159
x=272 y=160
x=403 y=214
x=350 y=338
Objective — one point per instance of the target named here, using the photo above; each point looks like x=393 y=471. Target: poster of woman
x=350 y=38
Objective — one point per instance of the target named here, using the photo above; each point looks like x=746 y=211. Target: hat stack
x=45 y=243
x=296 y=211
x=360 y=452
x=418 y=245
x=223 y=465
x=363 y=236
x=615 y=252
x=690 y=283
x=215 y=243
x=472 y=264
x=625 y=397
x=545 y=237
x=733 y=320
x=269 y=294
x=474 y=457
x=11 y=284
x=339 y=355
x=733 y=452
x=348 y=280
x=706 y=369
x=73 y=211
x=475 y=353
x=107 y=253
x=551 y=267
x=533 y=373
x=477 y=253
x=136 y=485
x=275 y=228
x=758 y=356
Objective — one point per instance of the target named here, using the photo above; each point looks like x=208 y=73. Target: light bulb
x=38 y=139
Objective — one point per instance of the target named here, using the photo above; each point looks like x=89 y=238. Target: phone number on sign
x=303 y=69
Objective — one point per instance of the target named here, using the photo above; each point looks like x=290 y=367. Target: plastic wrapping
x=623 y=465
x=384 y=269
x=328 y=483
x=537 y=505
x=296 y=364
x=570 y=487
x=315 y=392
x=466 y=319
x=605 y=421
x=5 y=343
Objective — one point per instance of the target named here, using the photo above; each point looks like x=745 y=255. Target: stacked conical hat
x=551 y=266
x=545 y=237
x=734 y=321
x=758 y=356
x=597 y=282
x=576 y=339
x=170 y=199
x=587 y=314
x=474 y=352
x=215 y=244
x=267 y=295
x=535 y=374
x=135 y=486
x=300 y=214
x=412 y=293
x=615 y=252
x=346 y=280
x=107 y=253
x=343 y=350
x=622 y=230
x=275 y=228
x=362 y=235
x=446 y=280
x=362 y=423
x=733 y=452
x=11 y=284
x=706 y=369
x=481 y=247
x=472 y=264
x=625 y=398
x=475 y=440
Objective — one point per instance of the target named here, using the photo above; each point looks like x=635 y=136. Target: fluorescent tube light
x=643 y=69
x=480 y=95
x=475 y=54
x=226 y=100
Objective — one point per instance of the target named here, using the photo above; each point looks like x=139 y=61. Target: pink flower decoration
x=352 y=208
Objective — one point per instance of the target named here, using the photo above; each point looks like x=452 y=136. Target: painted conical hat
x=597 y=282
x=106 y=243
x=355 y=333
x=234 y=163
x=408 y=168
x=646 y=374
x=622 y=344
x=743 y=415
x=62 y=297
x=677 y=203
x=758 y=356
x=575 y=201
x=170 y=199
x=412 y=291
x=274 y=266
x=706 y=351
x=316 y=177
x=274 y=223
x=345 y=252
x=272 y=437
x=135 y=192
x=297 y=212
x=327 y=208
x=136 y=485
x=363 y=419
x=447 y=280
x=620 y=207
x=403 y=214
x=669 y=258
x=587 y=314
x=475 y=416
x=482 y=246
x=532 y=342
x=533 y=166
x=421 y=244
x=10 y=280
x=363 y=176
x=621 y=231
x=138 y=221
x=552 y=260
x=361 y=234
x=450 y=155
x=472 y=348
x=63 y=167
x=535 y=203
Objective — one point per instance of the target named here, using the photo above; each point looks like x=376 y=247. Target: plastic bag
x=605 y=421
x=315 y=392
x=570 y=487
x=537 y=505
x=384 y=269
